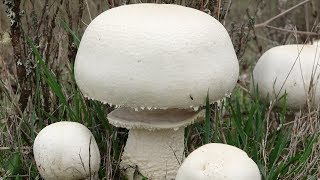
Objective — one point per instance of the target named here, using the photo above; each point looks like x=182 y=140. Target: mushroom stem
x=156 y=154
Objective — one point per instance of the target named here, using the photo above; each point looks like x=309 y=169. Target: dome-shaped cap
x=155 y=55
x=66 y=150
x=290 y=69
x=217 y=161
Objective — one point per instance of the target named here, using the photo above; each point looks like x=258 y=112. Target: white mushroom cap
x=156 y=55
x=218 y=162
x=316 y=42
x=154 y=119
x=274 y=76
x=64 y=150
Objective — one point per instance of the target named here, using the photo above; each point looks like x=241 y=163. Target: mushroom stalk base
x=156 y=154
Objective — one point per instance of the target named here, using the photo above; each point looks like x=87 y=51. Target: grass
x=283 y=145
x=242 y=120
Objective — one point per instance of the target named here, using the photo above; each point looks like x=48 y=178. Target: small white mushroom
x=165 y=58
x=293 y=69
x=217 y=161
x=66 y=151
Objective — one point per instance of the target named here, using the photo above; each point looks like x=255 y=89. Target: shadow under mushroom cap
x=154 y=119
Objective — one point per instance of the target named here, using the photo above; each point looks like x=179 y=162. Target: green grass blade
x=207 y=126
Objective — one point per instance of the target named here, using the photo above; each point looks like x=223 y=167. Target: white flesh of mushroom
x=66 y=151
x=156 y=154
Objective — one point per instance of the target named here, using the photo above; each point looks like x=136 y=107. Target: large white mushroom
x=158 y=62
x=66 y=151
x=217 y=161
x=291 y=69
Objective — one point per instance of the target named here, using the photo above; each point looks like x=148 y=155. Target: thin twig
x=219 y=9
x=281 y=14
x=227 y=12
x=293 y=31
x=88 y=10
x=90 y=158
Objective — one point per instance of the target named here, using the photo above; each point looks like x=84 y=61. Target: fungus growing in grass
x=156 y=139
x=291 y=69
x=157 y=62
x=218 y=161
x=66 y=150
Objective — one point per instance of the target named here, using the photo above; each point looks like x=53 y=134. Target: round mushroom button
x=66 y=150
x=217 y=161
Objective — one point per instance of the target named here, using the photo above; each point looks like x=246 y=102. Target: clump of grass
x=282 y=149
